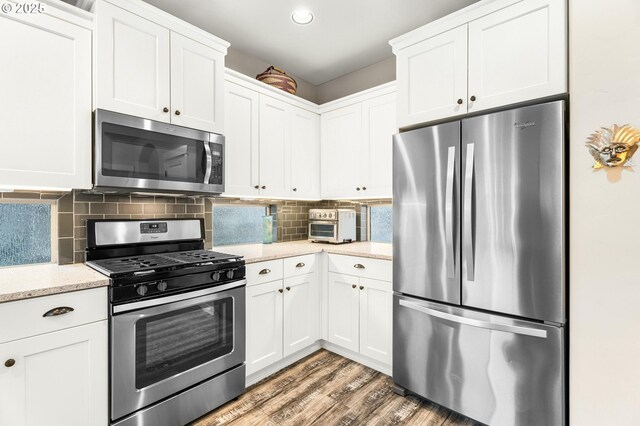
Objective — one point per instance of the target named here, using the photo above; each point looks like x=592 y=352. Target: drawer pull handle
x=281 y=290
x=288 y=288
x=353 y=286
x=58 y=311
x=10 y=363
x=300 y=265
x=265 y=272
x=361 y=287
x=358 y=266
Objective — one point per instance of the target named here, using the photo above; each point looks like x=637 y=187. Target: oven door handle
x=118 y=309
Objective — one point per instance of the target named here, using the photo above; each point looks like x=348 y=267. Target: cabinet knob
x=361 y=287
x=295 y=189
x=177 y=112
x=472 y=98
x=257 y=187
x=58 y=311
x=288 y=288
x=460 y=101
x=358 y=189
x=165 y=109
x=353 y=286
x=10 y=363
x=280 y=290
x=264 y=187
x=364 y=188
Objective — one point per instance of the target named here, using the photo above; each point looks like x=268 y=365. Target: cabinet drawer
x=24 y=318
x=299 y=265
x=263 y=272
x=361 y=267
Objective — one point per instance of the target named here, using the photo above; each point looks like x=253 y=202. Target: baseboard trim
x=254 y=378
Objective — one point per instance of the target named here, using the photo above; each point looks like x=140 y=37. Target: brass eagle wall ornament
x=613 y=147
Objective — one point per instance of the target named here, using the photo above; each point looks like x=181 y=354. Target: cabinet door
x=241 y=141
x=305 y=154
x=301 y=312
x=378 y=127
x=343 y=311
x=518 y=53
x=432 y=78
x=274 y=153
x=341 y=149
x=58 y=379
x=376 y=304
x=45 y=112
x=264 y=325
x=133 y=64
x=197 y=80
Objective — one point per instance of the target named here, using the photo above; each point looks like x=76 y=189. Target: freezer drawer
x=496 y=370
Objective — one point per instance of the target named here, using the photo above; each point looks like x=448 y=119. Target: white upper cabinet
x=158 y=67
x=379 y=126
x=274 y=134
x=341 y=132
x=272 y=142
x=432 y=78
x=304 y=151
x=356 y=140
x=45 y=112
x=197 y=79
x=242 y=160
x=133 y=64
x=491 y=54
x=518 y=53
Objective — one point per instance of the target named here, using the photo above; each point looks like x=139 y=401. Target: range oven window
x=176 y=341
x=141 y=154
x=322 y=230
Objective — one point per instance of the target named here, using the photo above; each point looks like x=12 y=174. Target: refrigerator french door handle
x=514 y=329
x=207 y=150
x=449 y=213
x=468 y=213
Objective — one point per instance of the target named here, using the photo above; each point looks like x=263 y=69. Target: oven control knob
x=142 y=290
x=230 y=274
x=215 y=276
x=324 y=215
x=162 y=286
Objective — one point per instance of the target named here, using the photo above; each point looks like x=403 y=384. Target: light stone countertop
x=24 y=282
x=260 y=252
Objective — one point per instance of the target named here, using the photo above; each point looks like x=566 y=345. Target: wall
x=605 y=276
x=357 y=81
x=252 y=66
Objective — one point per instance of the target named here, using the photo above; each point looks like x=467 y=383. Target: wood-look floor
x=325 y=389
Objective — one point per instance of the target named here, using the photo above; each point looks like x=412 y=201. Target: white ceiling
x=344 y=36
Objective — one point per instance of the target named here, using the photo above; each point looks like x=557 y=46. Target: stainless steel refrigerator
x=479 y=265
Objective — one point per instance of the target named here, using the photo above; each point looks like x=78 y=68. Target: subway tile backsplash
x=74 y=208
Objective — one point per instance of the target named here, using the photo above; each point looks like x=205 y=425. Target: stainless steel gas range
x=177 y=320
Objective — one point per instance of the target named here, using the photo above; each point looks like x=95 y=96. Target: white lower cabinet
x=283 y=316
x=360 y=315
x=56 y=378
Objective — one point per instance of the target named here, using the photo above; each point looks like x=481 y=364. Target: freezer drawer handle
x=449 y=213
x=468 y=213
x=474 y=322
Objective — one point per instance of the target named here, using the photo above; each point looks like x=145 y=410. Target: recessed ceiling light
x=302 y=16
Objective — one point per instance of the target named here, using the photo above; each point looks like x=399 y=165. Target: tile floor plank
x=325 y=389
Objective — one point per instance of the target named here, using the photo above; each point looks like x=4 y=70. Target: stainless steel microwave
x=137 y=154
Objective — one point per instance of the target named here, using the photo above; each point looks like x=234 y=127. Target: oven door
x=176 y=342
x=136 y=153
x=323 y=231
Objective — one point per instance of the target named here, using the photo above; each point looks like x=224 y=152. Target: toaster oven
x=334 y=226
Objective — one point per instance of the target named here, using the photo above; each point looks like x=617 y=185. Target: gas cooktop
x=147 y=263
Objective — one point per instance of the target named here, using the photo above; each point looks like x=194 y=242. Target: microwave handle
x=207 y=150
